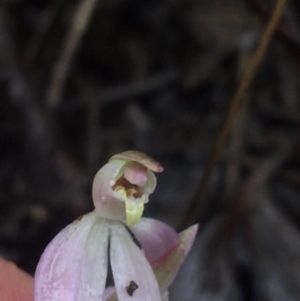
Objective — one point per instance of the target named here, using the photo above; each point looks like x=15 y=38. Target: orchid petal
x=136 y=173
x=108 y=293
x=131 y=268
x=95 y=262
x=111 y=295
x=165 y=296
x=157 y=239
x=106 y=205
x=167 y=270
x=150 y=184
x=63 y=271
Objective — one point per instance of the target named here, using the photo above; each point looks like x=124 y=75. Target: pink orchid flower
x=74 y=265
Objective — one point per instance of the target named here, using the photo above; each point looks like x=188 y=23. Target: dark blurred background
x=156 y=76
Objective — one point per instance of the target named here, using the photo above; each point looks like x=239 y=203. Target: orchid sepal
x=166 y=269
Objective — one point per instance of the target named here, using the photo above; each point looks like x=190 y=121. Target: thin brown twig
x=79 y=25
x=237 y=132
x=283 y=32
x=234 y=106
x=292 y=176
x=249 y=192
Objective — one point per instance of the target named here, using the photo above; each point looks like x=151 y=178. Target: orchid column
x=74 y=265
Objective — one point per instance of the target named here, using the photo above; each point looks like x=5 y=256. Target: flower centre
x=130 y=188
x=124 y=187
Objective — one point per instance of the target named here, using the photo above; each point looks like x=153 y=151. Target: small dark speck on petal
x=131 y=288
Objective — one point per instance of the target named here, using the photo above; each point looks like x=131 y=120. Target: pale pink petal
x=130 y=267
x=95 y=262
x=157 y=239
x=108 y=293
x=136 y=173
x=63 y=271
x=106 y=203
x=150 y=184
x=165 y=296
x=167 y=269
x=111 y=295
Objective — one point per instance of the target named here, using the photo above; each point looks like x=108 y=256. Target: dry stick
x=283 y=33
x=237 y=132
x=79 y=25
x=252 y=188
x=219 y=143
